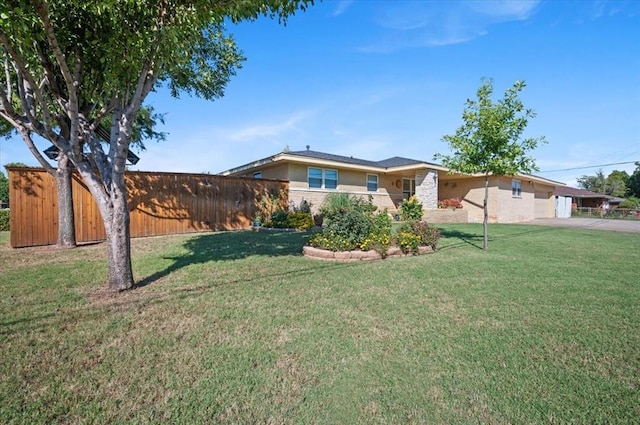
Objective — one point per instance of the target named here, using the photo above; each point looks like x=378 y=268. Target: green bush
x=279 y=219
x=300 y=220
x=353 y=226
x=338 y=203
x=408 y=241
x=4 y=220
x=631 y=203
x=379 y=237
x=411 y=209
x=416 y=233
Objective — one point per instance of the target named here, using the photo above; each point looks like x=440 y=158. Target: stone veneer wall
x=427 y=188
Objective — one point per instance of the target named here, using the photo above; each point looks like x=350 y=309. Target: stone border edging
x=325 y=254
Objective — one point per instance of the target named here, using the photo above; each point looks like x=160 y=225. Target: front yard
x=240 y=328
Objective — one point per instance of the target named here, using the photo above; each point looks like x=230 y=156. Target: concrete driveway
x=628 y=226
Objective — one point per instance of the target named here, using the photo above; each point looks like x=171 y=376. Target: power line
x=590 y=166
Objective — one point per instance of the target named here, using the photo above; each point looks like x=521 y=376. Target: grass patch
x=240 y=328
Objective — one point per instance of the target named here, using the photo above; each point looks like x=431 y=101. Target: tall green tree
x=70 y=64
x=596 y=183
x=634 y=182
x=489 y=140
x=615 y=184
x=4 y=190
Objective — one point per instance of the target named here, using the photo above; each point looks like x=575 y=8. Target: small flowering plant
x=453 y=203
x=411 y=209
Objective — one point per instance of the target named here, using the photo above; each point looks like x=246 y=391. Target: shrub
x=379 y=237
x=631 y=203
x=407 y=241
x=411 y=209
x=4 y=220
x=422 y=235
x=300 y=220
x=338 y=203
x=450 y=203
x=279 y=219
x=353 y=226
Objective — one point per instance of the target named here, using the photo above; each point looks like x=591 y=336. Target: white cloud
x=431 y=24
x=505 y=10
x=342 y=7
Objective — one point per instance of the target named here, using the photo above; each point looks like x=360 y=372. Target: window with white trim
x=320 y=178
x=516 y=188
x=408 y=188
x=372 y=182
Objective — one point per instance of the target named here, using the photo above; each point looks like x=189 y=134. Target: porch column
x=427 y=188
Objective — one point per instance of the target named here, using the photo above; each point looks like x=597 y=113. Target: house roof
x=389 y=165
x=395 y=162
x=577 y=193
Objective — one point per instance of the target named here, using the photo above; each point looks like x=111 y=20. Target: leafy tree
x=489 y=141
x=615 y=184
x=633 y=188
x=71 y=65
x=4 y=190
x=595 y=183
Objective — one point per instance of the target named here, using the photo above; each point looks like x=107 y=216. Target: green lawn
x=240 y=328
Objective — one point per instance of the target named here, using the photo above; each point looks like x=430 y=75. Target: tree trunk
x=485 y=222
x=113 y=207
x=119 y=239
x=119 y=245
x=66 y=220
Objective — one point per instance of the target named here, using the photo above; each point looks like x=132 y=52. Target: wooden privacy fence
x=159 y=204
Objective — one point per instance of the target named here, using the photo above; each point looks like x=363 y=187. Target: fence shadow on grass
x=226 y=246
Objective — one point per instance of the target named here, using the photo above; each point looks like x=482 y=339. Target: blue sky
x=375 y=79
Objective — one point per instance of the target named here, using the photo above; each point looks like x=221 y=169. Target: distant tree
x=615 y=184
x=595 y=183
x=489 y=142
x=16 y=164
x=633 y=188
x=4 y=190
x=69 y=64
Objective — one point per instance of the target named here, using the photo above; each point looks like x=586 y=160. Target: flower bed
x=358 y=255
x=353 y=232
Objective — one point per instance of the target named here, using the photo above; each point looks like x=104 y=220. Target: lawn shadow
x=475 y=239
x=226 y=246
x=465 y=238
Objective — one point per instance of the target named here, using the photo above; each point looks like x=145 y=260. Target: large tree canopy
x=615 y=184
x=489 y=140
x=72 y=65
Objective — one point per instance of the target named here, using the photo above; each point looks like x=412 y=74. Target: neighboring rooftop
x=584 y=193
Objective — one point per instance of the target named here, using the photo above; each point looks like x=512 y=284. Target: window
x=319 y=178
x=516 y=188
x=408 y=188
x=257 y=175
x=372 y=183
x=330 y=179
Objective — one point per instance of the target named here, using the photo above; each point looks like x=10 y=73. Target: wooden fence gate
x=159 y=204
